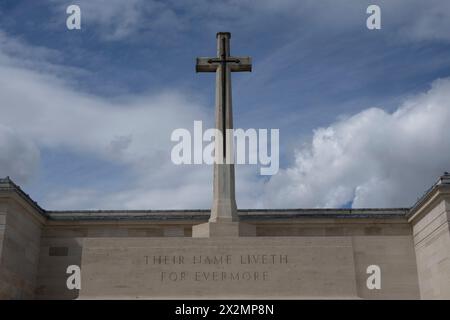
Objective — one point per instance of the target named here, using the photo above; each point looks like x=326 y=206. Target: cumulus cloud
x=372 y=159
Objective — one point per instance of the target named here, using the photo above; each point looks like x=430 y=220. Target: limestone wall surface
x=431 y=232
x=411 y=247
x=20 y=233
x=384 y=242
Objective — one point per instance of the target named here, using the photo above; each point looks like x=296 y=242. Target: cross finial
x=225 y=34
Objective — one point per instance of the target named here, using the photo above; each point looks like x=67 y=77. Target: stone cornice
x=7 y=185
x=439 y=190
x=201 y=215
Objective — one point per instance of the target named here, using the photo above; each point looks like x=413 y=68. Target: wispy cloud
x=415 y=20
x=132 y=131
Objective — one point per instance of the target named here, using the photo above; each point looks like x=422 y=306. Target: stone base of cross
x=223 y=230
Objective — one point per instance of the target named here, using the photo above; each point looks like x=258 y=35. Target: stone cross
x=224 y=202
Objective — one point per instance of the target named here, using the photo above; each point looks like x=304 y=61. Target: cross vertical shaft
x=224 y=207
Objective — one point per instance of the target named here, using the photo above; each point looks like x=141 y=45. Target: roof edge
x=443 y=180
x=6 y=184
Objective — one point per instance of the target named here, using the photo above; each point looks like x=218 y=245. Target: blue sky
x=86 y=115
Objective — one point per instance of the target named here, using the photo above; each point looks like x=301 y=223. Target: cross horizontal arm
x=243 y=64
x=237 y=64
x=203 y=65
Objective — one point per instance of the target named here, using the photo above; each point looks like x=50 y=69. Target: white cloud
x=162 y=187
x=132 y=131
x=373 y=159
x=19 y=156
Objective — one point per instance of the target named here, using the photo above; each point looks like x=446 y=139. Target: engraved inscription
x=214 y=260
